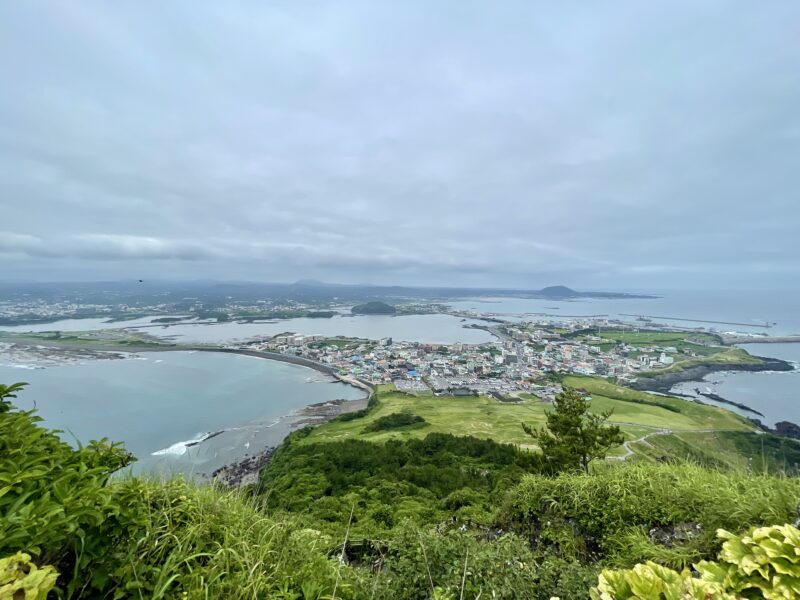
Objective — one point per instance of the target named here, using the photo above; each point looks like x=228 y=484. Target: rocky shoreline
x=245 y=472
x=663 y=383
x=721 y=400
x=40 y=356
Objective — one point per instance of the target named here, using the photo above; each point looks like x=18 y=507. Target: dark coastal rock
x=721 y=400
x=245 y=471
x=672 y=535
x=787 y=429
x=782 y=428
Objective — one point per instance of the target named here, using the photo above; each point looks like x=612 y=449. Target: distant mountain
x=214 y=294
x=373 y=308
x=562 y=292
x=559 y=291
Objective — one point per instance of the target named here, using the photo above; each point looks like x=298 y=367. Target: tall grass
x=209 y=542
x=613 y=512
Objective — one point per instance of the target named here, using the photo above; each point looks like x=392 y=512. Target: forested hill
x=373 y=308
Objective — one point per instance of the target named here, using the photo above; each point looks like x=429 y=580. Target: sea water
x=159 y=403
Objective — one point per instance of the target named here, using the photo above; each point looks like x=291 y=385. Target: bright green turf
x=485 y=417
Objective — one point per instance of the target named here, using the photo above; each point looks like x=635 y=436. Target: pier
x=762 y=325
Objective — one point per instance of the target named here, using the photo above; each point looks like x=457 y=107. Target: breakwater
x=759 y=339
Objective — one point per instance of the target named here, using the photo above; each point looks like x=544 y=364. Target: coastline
x=664 y=382
x=123 y=351
x=245 y=471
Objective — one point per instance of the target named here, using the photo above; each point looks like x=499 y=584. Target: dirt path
x=629 y=451
x=657 y=431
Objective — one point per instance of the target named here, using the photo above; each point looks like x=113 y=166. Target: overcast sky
x=617 y=145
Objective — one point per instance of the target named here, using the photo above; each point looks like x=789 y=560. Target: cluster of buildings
x=41 y=309
x=518 y=360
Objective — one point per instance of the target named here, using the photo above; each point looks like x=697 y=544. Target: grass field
x=706 y=346
x=84 y=339
x=729 y=356
x=665 y=338
x=642 y=408
x=636 y=412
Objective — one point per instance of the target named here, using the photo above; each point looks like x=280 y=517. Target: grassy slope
x=764 y=453
x=484 y=417
x=729 y=356
x=91 y=340
x=671 y=338
x=481 y=417
x=625 y=403
x=714 y=353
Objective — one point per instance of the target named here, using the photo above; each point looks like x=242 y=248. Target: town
x=522 y=359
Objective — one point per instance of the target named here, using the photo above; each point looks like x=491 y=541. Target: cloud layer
x=521 y=143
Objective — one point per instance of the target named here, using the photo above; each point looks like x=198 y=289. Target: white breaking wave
x=180 y=448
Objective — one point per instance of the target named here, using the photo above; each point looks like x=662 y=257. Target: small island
x=373 y=308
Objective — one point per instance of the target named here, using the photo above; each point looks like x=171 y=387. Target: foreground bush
x=65 y=522
x=629 y=514
x=763 y=564
x=133 y=537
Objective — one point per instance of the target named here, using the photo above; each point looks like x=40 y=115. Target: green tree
x=574 y=437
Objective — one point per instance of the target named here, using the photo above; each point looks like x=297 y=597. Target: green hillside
x=403 y=512
x=639 y=414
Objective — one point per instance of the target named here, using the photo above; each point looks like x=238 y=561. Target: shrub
x=131 y=537
x=623 y=511
x=762 y=564
x=394 y=421
x=425 y=564
x=412 y=476
x=54 y=503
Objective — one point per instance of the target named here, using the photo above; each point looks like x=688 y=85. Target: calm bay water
x=157 y=402
x=91 y=324
x=440 y=329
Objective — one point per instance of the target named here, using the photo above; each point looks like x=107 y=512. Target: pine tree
x=574 y=437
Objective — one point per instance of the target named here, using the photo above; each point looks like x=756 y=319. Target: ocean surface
x=159 y=401
x=439 y=329
x=749 y=308
x=775 y=394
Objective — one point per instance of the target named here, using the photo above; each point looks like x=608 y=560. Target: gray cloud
x=631 y=145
